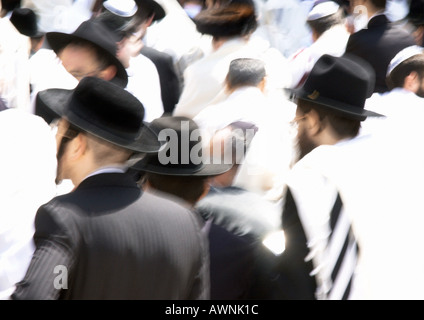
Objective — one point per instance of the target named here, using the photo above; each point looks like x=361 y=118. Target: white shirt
x=401 y=107
x=144 y=84
x=244 y=104
x=28 y=172
x=14 y=66
x=47 y=72
x=204 y=79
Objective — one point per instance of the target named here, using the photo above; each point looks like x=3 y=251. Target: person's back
x=107 y=239
x=379 y=42
x=121 y=244
x=329 y=35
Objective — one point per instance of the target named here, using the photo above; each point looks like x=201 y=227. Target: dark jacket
x=169 y=80
x=378 y=44
x=109 y=240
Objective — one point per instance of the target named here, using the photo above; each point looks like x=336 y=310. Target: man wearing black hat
x=330 y=108
x=238 y=266
x=91 y=50
x=107 y=239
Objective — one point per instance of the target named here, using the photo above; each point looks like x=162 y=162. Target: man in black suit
x=107 y=239
x=379 y=41
x=150 y=12
x=240 y=266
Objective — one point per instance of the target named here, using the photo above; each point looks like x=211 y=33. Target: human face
x=80 y=61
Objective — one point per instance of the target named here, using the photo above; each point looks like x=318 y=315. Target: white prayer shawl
x=332 y=41
x=314 y=196
x=380 y=182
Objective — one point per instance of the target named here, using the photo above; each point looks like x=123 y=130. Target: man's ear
x=411 y=82
x=77 y=147
x=108 y=73
x=206 y=189
x=313 y=123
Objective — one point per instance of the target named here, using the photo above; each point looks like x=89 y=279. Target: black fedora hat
x=25 y=21
x=235 y=18
x=153 y=6
x=99 y=35
x=181 y=128
x=341 y=84
x=104 y=110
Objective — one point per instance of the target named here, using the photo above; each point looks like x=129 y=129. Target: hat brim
x=145 y=165
x=343 y=109
x=58 y=40
x=54 y=103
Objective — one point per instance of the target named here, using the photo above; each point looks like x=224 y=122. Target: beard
x=303 y=145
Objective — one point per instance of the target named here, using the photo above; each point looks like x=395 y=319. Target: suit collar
x=378 y=20
x=108 y=179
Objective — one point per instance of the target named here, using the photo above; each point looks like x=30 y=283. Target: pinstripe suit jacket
x=116 y=242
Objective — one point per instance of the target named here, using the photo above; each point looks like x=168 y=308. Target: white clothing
x=47 y=72
x=270 y=152
x=144 y=84
x=283 y=24
x=60 y=15
x=175 y=34
x=332 y=42
x=204 y=79
x=28 y=171
x=14 y=66
x=244 y=104
x=397 y=10
x=381 y=191
x=400 y=107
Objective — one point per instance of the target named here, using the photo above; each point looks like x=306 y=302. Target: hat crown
x=99 y=34
x=182 y=155
x=98 y=106
x=25 y=21
x=181 y=143
x=341 y=79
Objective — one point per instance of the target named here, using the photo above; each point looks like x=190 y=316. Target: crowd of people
x=211 y=149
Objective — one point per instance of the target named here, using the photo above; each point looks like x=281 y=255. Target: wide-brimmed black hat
x=340 y=84
x=235 y=18
x=104 y=110
x=153 y=6
x=25 y=21
x=99 y=35
x=183 y=150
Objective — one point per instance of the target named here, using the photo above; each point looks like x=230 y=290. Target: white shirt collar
x=116 y=168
